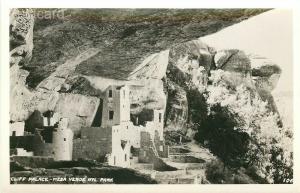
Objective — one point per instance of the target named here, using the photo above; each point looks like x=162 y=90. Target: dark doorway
x=34 y=121
x=98 y=116
x=111 y=115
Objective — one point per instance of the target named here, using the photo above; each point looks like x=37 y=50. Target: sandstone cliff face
x=21 y=33
x=186 y=78
x=189 y=62
x=238 y=64
x=125 y=37
x=165 y=71
x=177 y=110
x=256 y=73
x=20 y=95
x=265 y=75
x=271 y=43
x=188 y=70
x=48 y=95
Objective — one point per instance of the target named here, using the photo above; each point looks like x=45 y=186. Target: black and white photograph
x=161 y=96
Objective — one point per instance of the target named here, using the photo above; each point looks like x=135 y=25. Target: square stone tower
x=116 y=106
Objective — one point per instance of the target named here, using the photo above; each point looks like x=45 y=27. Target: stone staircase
x=190 y=161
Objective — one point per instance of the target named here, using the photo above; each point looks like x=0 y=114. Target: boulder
x=238 y=66
x=187 y=60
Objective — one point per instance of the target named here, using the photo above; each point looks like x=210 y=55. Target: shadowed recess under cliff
x=125 y=37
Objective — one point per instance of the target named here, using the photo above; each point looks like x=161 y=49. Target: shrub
x=217 y=173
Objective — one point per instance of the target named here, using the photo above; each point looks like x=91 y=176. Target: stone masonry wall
x=95 y=143
x=162 y=149
x=118 y=103
x=59 y=149
x=17 y=129
x=120 y=155
x=146 y=153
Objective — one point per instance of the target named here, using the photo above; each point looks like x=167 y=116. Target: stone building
x=17 y=129
x=51 y=139
x=118 y=139
x=20 y=141
x=54 y=140
x=116 y=106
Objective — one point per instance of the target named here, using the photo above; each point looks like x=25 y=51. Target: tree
x=242 y=131
x=221 y=136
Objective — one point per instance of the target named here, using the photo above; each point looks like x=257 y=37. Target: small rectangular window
x=111 y=115
x=123 y=93
x=161 y=148
x=14 y=133
x=65 y=139
x=110 y=93
x=159 y=117
x=125 y=157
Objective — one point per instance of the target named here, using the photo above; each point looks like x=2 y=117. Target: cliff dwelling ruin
x=115 y=136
